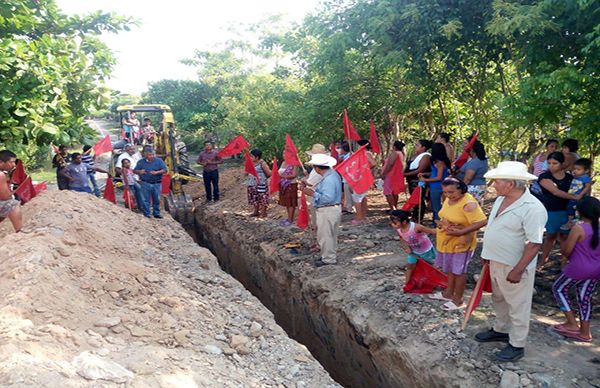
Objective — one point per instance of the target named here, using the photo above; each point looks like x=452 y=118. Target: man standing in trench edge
x=327 y=196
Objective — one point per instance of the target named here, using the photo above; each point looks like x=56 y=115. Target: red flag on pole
x=234 y=147
x=397 y=177
x=128 y=198
x=19 y=175
x=334 y=153
x=109 y=191
x=303 y=217
x=290 y=152
x=25 y=191
x=413 y=200
x=356 y=171
x=484 y=284
x=374 y=140
x=424 y=279
x=102 y=146
x=39 y=187
x=249 y=166
x=349 y=131
x=275 y=178
x=165 y=184
x=462 y=159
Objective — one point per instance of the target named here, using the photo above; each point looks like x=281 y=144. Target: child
x=130 y=183
x=419 y=245
x=258 y=192
x=581 y=186
x=582 y=272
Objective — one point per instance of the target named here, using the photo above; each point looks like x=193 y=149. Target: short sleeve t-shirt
x=578 y=184
x=155 y=165
x=479 y=166
x=551 y=202
x=456 y=214
x=79 y=174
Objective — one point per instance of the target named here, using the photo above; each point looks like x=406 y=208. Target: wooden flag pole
x=469 y=309
x=420 y=201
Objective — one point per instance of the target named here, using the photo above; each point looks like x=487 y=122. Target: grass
x=44 y=175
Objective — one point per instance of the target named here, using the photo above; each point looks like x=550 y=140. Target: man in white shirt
x=130 y=153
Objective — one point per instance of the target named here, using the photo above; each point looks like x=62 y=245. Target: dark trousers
x=211 y=178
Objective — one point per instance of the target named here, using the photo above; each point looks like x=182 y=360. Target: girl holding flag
x=258 y=192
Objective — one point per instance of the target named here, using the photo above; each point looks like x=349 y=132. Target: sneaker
x=320 y=263
x=285 y=223
x=491 y=335
x=510 y=353
x=158 y=216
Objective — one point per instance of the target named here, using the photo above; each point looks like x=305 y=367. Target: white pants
x=512 y=302
x=328 y=226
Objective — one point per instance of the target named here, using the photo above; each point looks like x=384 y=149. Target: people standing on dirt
x=569 y=150
x=456 y=240
x=209 y=159
x=288 y=191
x=9 y=207
x=257 y=189
x=311 y=181
x=511 y=242
x=150 y=170
x=77 y=175
x=88 y=160
x=420 y=163
x=396 y=154
x=130 y=182
x=343 y=154
x=440 y=169
x=360 y=199
x=473 y=171
x=327 y=198
x=444 y=139
x=582 y=272
x=131 y=153
x=60 y=161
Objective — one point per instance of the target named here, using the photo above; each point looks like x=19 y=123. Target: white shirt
x=415 y=163
x=134 y=159
x=314 y=178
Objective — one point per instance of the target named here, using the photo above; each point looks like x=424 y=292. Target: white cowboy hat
x=317 y=149
x=322 y=160
x=510 y=170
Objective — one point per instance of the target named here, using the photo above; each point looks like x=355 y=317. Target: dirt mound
x=94 y=293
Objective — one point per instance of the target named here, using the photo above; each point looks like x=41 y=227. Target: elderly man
x=327 y=196
x=150 y=169
x=9 y=207
x=511 y=242
x=210 y=160
x=130 y=153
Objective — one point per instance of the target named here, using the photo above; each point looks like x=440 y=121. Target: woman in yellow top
x=461 y=217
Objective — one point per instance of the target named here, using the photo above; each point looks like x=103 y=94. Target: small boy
x=581 y=185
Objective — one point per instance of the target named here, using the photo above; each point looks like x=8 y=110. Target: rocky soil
x=96 y=295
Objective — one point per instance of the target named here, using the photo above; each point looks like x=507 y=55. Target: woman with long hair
x=397 y=154
x=473 y=171
x=440 y=169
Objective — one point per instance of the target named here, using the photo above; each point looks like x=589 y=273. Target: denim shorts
x=428 y=256
x=555 y=220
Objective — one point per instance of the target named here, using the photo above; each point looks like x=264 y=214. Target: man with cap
x=327 y=196
x=150 y=169
x=511 y=242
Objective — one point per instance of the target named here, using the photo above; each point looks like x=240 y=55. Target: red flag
x=397 y=176
x=25 y=191
x=356 y=171
x=234 y=147
x=413 y=200
x=249 y=166
x=165 y=184
x=374 y=140
x=102 y=146
x=424 y=279
x=290 y=152
x=275 y=179
x=19 y=175
x=109 y=191
x=349 y=131
x=484 y=284
x=303 y=217
x=39 y=187
x=334 y=153
x=462 y=159
x=128 y=198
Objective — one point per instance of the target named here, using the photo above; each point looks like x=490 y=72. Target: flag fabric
x=357 y=171
x=234 y=147
x=109 y=191
x=349 y=131
x=397 y=176
x=464 y=157
x=290 y=152
x=102 y=146
x=19 y=175
x=334 y=153
x=25 y=191
x=165 y=184
x=414 y=199
x=425 y=278
x=374 y=140
x=303 y=217
x=39 y=187
x=484 y=284
x=249 y=166
x=275 y=179
x=128 y=198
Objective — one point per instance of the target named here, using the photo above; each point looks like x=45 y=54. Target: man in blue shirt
x=150 y=170
x=327 y=196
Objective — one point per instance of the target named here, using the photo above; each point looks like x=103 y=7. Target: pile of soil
x=96 y=295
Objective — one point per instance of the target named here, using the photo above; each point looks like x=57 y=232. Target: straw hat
x=322 y=160
x=317 y=149
x=510 y=170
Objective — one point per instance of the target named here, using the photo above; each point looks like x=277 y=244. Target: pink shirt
x=418 y=242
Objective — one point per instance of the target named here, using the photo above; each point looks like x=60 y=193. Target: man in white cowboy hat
x=511 y=242
x=313 y=179
x=327 y=195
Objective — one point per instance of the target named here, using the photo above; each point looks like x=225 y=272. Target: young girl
x=582 y=272
x=258 y=192
x=415 y=235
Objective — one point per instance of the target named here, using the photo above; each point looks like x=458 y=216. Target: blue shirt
x=155 y=165
x=329 y=191
x=578 y=184
x=479 y=166
x=437 y=185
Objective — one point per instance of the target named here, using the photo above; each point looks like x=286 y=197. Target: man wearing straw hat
x=511 y=242
x=313 y=179
x=327 y=196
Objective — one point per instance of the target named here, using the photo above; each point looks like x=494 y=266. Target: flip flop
x=450 y=306
x=560 y=328
x=438 y=296
x=575 y=336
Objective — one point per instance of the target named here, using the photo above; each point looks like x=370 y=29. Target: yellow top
x=456 y=215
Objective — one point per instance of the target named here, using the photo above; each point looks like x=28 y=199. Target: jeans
x=136 y=189
x=151 y=191
x=84 y=189
x=92 y=179
x=436 y=202
x=211 y=178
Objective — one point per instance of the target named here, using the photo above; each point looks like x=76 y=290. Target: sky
x=172 y=30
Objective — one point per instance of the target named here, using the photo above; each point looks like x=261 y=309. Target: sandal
x=560 y=328
x=575 y=336
x=438 y=296
x=450 y=306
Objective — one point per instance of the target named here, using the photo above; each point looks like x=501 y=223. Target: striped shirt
x=88 y=160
